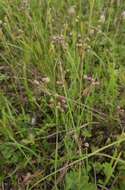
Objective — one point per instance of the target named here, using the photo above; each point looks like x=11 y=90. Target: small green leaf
x=108 y=170
x=74 y=181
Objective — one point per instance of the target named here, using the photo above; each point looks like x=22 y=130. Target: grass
x=62 y=106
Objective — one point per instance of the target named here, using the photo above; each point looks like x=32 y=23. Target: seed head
x=71 y=11
x=46 y=80
x=86 y=145
x=123 y=15
x=102 y=18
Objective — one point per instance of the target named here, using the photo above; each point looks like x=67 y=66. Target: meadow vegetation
x=62 y=94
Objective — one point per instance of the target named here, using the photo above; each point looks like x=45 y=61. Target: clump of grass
x=62 y=94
